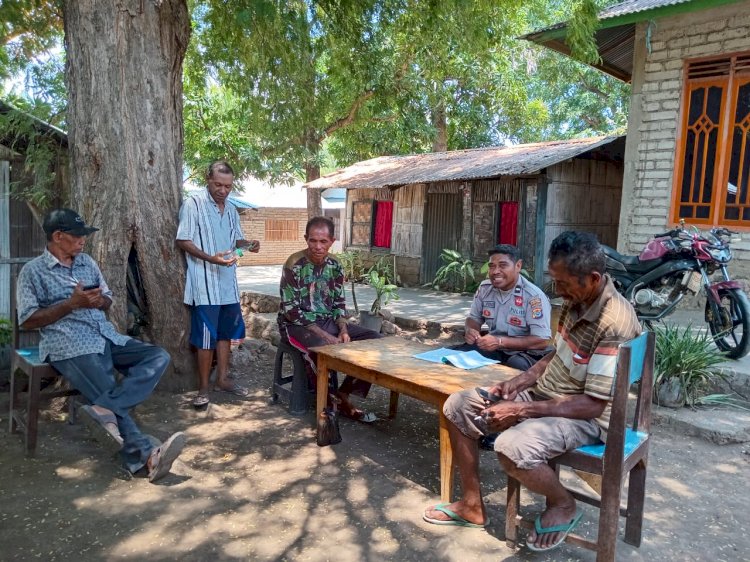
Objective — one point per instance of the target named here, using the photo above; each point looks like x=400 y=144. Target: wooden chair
x=40 y=387
x=25 y=361
x=626 y=452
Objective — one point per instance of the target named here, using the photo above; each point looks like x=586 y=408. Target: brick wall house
x=281 y=232
x=686 y=156
x=687 y=51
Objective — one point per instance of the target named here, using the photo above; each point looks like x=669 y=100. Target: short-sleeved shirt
x=311 y=293
x=586 y=349
x=523 y=310
x=212 y=231
x=45 y=282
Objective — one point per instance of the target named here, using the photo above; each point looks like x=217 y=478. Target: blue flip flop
x=565 y=528
x=455 y=519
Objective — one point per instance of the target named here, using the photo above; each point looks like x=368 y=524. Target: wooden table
x=389 y=362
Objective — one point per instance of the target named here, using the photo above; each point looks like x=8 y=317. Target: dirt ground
x=252 y=485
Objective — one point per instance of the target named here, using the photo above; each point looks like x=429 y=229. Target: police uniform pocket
x=489 y=310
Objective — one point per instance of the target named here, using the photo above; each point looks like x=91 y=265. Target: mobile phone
x=491 y=398
x=92 y=286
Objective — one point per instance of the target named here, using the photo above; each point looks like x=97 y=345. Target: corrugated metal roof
x=617 y=10
x=40 y=125
x=635 y=6
x=389 y=171
x=240 y=204
x=615 y=36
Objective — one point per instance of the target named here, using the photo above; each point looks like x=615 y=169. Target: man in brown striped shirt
x=559 y=404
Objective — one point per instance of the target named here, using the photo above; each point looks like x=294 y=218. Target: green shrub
x=354 y=270
x=456 y=274
x=6 y=331
x=687 y=357
x=384 y=291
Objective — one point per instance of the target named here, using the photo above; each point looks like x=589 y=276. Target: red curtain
x=383 y=224
x=508 y=229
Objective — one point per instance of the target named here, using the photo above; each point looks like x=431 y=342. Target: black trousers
x=520 y=360
x=303 y=339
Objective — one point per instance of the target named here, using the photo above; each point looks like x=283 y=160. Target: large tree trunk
x=124 y=77
x=440 y=122
x=314 y=200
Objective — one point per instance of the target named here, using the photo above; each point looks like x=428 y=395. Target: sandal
x=360 y=416
x=235 y=389
x=200 y=401
x=104 y=425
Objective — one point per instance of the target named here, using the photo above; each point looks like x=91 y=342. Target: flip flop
x=162 y=457
x=235 y=389
x=364 y=417
x=200 y=401
x=565 y=528
x=455 y=519
x=104 y=425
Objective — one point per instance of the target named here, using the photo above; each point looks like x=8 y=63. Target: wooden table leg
x=322 y=385
x=393 y=404
x=446 y=460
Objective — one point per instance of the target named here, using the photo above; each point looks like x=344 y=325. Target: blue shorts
x=212 y=323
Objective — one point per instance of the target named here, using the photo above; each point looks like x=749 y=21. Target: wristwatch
x=499 y=341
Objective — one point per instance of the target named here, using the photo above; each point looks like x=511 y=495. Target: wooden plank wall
x=487 y=195
x=408 y=220
x=584 y=195
x=408 y=216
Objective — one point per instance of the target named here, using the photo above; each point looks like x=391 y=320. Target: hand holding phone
x=90 y=287
x=486 y=396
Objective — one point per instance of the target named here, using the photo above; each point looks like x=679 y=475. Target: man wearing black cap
x=63 y=294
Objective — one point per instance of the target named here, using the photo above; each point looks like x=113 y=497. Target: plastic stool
x=292 y=387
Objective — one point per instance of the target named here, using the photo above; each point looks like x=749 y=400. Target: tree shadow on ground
x=252 y=485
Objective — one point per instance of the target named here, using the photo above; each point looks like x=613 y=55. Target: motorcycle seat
x=622 y=258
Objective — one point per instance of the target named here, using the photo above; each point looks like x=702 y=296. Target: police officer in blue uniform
x=517 y=313
x=515 y=310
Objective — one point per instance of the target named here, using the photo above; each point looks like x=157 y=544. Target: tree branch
x=352 y=115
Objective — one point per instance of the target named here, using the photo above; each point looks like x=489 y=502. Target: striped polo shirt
x=212 y=231
x=586 y=349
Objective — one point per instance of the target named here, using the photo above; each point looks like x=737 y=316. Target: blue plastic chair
x=625 y=453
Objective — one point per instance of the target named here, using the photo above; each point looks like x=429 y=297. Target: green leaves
x=581 y=28
x=384 y=291
x=6 y=331
x=456 y=274
x=688 y=357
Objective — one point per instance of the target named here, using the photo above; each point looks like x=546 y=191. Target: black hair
x=507 y=249
x=579 y=252
x=321 y=221
x=219 y=167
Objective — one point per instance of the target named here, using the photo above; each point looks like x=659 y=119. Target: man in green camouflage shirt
x=313 y=307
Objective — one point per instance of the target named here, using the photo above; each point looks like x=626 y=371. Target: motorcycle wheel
x=731 y=330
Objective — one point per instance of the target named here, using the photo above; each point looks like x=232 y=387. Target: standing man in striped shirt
x=209 y=233
x=559 y=404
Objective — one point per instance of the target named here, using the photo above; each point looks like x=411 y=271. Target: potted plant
x=384 y=293
x=684 y=366
x=351 y=263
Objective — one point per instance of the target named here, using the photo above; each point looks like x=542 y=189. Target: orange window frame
x=730 y=85
x=734 y=89
x=689 y=87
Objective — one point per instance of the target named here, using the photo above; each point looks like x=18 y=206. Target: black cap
x=66 y=220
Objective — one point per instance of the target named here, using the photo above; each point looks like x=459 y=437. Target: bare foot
x=552 y=517
x=471 y=514
x=346 y=407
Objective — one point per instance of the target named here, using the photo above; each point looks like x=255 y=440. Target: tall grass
x=689 y=357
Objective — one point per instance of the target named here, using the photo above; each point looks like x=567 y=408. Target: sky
x=259 y=193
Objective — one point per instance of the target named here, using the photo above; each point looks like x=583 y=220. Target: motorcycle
x=680 y=262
